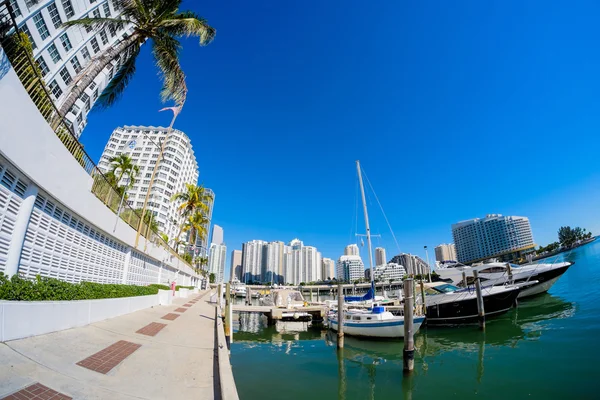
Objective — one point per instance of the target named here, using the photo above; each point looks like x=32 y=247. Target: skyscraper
x=274 y=265
x=495 y=236
x=328 y=266
x=414 y=265
x=216 y=261
x=176 y=168
x=380 y=256
x=217 y=235
x=445 y=252
x=351 y=250
x=236 y=265
x=62 y=52
x=253 y=261
x=350 y=268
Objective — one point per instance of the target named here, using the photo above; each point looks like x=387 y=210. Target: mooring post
x=424 y=306
x=480 y=309
x=318 y=299
x=228 y=314
x=248 y=296
x=340 y=318
x=464 y=274
x=408 y=356
x=311 y=295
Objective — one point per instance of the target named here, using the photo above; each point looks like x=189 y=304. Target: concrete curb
x=228 y=387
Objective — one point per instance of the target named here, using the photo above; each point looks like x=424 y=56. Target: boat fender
x=296 y=316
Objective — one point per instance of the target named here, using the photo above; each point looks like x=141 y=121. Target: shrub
x=159 y=286
x=41 y=289
x=184 y=287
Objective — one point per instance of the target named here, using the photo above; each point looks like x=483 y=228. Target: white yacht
x=376 y=322
x=498 y=273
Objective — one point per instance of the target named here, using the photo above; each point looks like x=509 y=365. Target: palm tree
x=196 y=225
x=158 y=22
x=122 y=165
x=194 y=199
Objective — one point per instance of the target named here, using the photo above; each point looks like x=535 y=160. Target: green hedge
x=17 y=288
x=184 y=287
x=159 y=286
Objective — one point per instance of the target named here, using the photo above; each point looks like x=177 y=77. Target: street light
x=428 y=265
x=176 y=111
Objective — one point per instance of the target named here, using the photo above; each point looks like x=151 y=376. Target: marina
x=547 y=338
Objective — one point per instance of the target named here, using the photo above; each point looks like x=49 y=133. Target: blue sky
x=455 y=110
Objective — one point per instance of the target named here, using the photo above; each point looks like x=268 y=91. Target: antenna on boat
x=362 y=192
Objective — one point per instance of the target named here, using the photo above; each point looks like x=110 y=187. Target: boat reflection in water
x=527 y=322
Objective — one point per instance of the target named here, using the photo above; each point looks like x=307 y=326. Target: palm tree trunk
x=88 y=74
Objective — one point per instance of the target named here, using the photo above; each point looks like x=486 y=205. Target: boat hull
x=545 y=281
x=465 y=310
x=380 y=329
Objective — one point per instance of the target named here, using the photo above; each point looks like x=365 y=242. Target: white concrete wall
x=19 y=319
x=30 y=145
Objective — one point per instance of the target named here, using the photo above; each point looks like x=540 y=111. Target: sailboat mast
x=364 y=201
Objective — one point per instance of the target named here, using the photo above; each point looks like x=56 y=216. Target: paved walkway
x=119 y=358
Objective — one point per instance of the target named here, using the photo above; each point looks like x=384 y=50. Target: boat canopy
x=370 y=295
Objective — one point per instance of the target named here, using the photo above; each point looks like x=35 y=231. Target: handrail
x=17 y=48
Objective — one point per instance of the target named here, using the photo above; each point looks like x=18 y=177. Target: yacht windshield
x=445 y=288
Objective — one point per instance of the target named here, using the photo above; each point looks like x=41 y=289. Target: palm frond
x=98 y=23
x=166 y=52
x=187 y=23
x=117 y=85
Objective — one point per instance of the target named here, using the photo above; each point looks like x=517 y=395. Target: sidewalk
x=177 y=363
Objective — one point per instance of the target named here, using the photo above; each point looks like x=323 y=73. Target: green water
x=547 y=348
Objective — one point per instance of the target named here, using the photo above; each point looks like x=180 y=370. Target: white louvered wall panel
x=12 y=189
x=61 y=245
x=142 y=270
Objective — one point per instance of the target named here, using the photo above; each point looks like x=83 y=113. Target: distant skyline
x=455 y=111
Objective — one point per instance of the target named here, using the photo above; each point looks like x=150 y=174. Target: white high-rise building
x=445 y=252
x=504 y=237
x=385 y=272
x=414 y=265
x=217 y=235
x=236 y=265
x=328 y=266
x=350 y=268
x=62 y=52
x=274 y=265
x=288 y=270
x=351 y=250
x=253 y=258
x=216 y=261
x=177 y=167
x=380 y=256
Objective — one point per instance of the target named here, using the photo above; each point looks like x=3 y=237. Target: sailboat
x=375 y=322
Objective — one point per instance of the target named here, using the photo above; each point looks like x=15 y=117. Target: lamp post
x=428 y=265
x=176 y=111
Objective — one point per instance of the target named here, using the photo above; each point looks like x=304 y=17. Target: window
x=64 y=39
x=95 y=95
x=106 y=9
x=112 y=31
x=68 y=7
x=31 y=3
x=40 y=24
x=53 y=51
x=55 y=89
x=66 y=75
x=75 y=64
x=85 y=53
x=86 y=101
x=96 y=13
x=95 y=46
x=54 y=16
x=15 y=7
x=103 y=36
x=25 y=29
x=111 y=73
x=43 y=66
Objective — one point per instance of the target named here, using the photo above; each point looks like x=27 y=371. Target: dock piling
x=423 y=306
x=408 y=356
x=340 y=318
x=228 y=314
x=464 y=274
x=480 y=309
x=311 y=295
x=248 y=296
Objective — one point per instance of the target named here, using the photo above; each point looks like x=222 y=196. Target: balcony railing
x=17 y=47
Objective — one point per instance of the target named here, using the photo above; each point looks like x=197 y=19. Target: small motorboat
x=375 y=322
x=449 y=305
x=497 y=273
